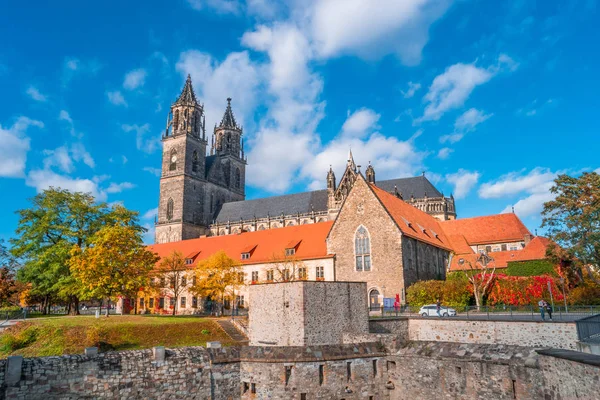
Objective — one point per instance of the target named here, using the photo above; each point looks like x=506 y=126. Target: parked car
x=430 y=310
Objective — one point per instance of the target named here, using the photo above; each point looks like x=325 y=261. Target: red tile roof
x=487 y=230
x=412 y=221
x=267 y=244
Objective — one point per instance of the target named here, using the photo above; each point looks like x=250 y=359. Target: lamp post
x=562 y=282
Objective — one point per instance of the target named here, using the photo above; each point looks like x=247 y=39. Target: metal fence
x=588 y=329
x=523 y=313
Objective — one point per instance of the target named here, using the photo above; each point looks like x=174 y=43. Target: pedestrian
x=549 y=310
x=438 y=308
x=542 y=306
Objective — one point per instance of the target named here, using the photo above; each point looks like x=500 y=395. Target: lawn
x=71 y=335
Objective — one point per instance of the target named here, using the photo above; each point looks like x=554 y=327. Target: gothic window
x=176 y=120
x=173 y=161
x=195 y=162
x=170 y=209
x=185 y=119
x=362 y=249
x=197 y=127
x=238 y=178
x=212 y=202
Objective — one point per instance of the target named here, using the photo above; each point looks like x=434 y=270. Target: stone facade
x=306 y=313
x=390 y=252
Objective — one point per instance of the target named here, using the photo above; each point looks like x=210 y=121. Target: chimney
x=527 y=239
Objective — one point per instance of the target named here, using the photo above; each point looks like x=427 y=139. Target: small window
x=151 y=302
x=254 y=276
x=503 y=247
x=241 y=277
x=320 y=272
x=245 y=256
x=302 y=274
x=245 y=387
x=189 y=261
x=288 y=374
x=253 y=388
x=183 y=281
x=270 y=275
x=514 y=248
x=239 y=301
x=488 y=249
x=286 y=275
x=348 y=371
x=374 y=368
x=142 y=302
x=195 y=162
x=290 y=252
x=183 y=302
x=172 y=301
x=194 y=302
x=161 y=302
x=170 y=207
x=362 y=249
x=321 y=374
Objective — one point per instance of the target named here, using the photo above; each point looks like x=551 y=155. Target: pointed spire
x=330 y=179
x=228 y=120
x=370 y=173
x=187 y=94
x=351 y=163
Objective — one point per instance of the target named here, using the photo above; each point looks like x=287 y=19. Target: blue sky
x=491 y=99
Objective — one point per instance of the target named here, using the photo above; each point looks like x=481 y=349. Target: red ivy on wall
x=517 y=290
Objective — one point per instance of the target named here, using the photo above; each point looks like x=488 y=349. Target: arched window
x=238 y=178
x=195 y=161
x=362 y=249
x=212 y=202
x=185 y=119
x=170 y=209
x=176 y=120
x=173 y=161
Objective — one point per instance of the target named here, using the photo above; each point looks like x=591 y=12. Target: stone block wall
x=306 y=313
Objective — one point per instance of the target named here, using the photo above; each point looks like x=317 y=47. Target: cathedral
x=204 y=194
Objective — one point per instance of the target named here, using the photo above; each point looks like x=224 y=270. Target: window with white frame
x=290 y=252
x=270 y=275
x=245 y=256
x=320 y=272
x=362 y=249
x=254 y=276
x=302 y=274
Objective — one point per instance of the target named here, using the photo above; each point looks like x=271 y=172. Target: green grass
x=71 y=335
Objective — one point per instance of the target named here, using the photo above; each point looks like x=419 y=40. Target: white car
x=430 y=310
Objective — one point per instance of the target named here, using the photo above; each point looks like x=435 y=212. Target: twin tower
x=193 y=186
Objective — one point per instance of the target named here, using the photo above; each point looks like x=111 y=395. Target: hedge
x=530 y=268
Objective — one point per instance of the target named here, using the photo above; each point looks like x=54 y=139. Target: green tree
x=116 y=262
x=173 y=276
x=572 y=221
x=56 y=221
x=217 y=277
x=9 y=288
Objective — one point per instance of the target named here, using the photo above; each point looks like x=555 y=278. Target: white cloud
x=42 y=179
x=150 y=214
x=220 y=6
x=237 y=77
x=444 y=153
x=116 y=98
x=153 y=171
x=450 y=89
x=80 y=154
x=467 y=121
x=538 y=179
x=124 y=160
x=360 y=123
x=74 y=66
x=530 y=205
x=64 y=116
x=536 y=107
x=412 y=89
x=36 y=95
x=463 y=182
x=134 y=79
x=63 y=157
x=119 y=187
x=358 y=27
x=506 y=62
x=143 y=140
x=14 y=145
x=451 y=138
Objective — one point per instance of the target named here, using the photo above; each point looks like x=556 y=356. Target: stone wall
x=306 y=313
x=518 y=333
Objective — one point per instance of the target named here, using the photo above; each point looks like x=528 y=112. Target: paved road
x=496 y=316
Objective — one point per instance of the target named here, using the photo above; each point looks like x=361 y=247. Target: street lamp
x=562 y=282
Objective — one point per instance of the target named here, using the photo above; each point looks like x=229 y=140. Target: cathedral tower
x=180 y=209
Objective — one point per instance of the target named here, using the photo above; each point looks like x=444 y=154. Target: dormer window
x=291 y=247
x=290 y=252
x=189 y=261
x=245 y=256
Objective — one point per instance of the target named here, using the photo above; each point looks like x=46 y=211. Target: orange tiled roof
x=534 y=250
x=412 y=221
x=267 y=244
x=487 y=230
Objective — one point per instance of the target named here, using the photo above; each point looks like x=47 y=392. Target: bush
x=530 y=268
x=457 y=293
x=424 y=292
x=522 y=290
x=585 y=295
x=10 y=309
x=10 y=342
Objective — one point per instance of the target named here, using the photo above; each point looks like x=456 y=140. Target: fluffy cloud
x=14 y=145
x=412 y=89
x=463 y=182
x=134 y=79
x=116 y=98
x=143 y=140
x=450 y=89
x=237 y=77
x=538 y=179
x=63 y=157
x=153 y=171
x=358 y=27
x=35 y=94
x=467 y=121
x=359 y=122
x=530 y=205
x=444 y=153
x=42 y=179
x=150 y=214
x=119 y=187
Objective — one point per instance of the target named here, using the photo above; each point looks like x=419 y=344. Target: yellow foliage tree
x=172 y=276
x=116 y=263
x=217 y=277
x=288 y=268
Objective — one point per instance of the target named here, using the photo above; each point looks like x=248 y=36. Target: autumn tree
x=56 y=221
x=9 y=287
x=172 y=276
x=217 y=277
x=480 y=276
x=572 y=221
x=114 y=263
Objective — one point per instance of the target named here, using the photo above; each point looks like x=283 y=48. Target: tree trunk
x=107 y=306
x=74 y=306
x=45 y=305
x=175 y=306
x=69 y=308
